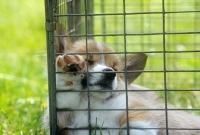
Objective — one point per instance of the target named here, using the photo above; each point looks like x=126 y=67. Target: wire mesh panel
x=167 y=31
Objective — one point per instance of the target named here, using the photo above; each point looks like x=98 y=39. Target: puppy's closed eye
x=89 y=62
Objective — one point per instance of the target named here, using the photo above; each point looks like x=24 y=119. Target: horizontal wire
x=133 y=34
x=135 y=71
x=106 y=128
x=135 y=13
x=135 y=90
x=131 y=109
x=84 y=53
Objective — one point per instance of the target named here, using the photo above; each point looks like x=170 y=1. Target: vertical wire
x=103 y=20
x=90 y=20
x=142 y=37
x=173 y=43
x=70 y=18
x=116 y=25
x=88 y=91
x=77 y=19
x=164 y=64
x=142 y=25
x=170 y=39
x=125 y=72
x=64 y=10
x=195 y=43
x=149 y=40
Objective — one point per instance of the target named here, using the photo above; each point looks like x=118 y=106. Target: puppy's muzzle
x=109 y=74
x=105 y=81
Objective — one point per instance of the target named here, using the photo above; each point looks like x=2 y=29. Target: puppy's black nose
x=108 y=72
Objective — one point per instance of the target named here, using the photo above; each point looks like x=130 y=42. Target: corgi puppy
x=95 y=95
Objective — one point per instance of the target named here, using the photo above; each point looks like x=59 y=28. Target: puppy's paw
x=70 y=63
x=70 y=70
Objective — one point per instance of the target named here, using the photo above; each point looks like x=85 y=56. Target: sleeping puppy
x=96 y=89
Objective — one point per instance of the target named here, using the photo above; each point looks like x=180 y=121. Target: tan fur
x=136 y=115
x=176 y=119
x=68 y=83
x=134 y=63
x=59 y=62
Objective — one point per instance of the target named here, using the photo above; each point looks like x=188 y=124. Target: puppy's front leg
x=69 y=75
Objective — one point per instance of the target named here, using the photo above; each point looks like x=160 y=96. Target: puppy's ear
x=61 y=43
x=133 y=63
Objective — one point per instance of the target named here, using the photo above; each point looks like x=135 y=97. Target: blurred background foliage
x=23 y=84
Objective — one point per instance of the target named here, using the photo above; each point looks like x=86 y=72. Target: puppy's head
x=106 y=71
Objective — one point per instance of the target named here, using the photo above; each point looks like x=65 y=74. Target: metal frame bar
x=49 y=6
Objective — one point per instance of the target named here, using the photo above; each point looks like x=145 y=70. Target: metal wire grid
x=65 y=12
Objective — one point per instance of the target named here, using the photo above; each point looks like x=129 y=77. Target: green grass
x=23 y=85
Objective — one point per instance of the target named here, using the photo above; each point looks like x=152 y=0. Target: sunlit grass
x=23 y=85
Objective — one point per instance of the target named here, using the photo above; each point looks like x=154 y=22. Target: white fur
x=106 y=119
x=95 y=77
